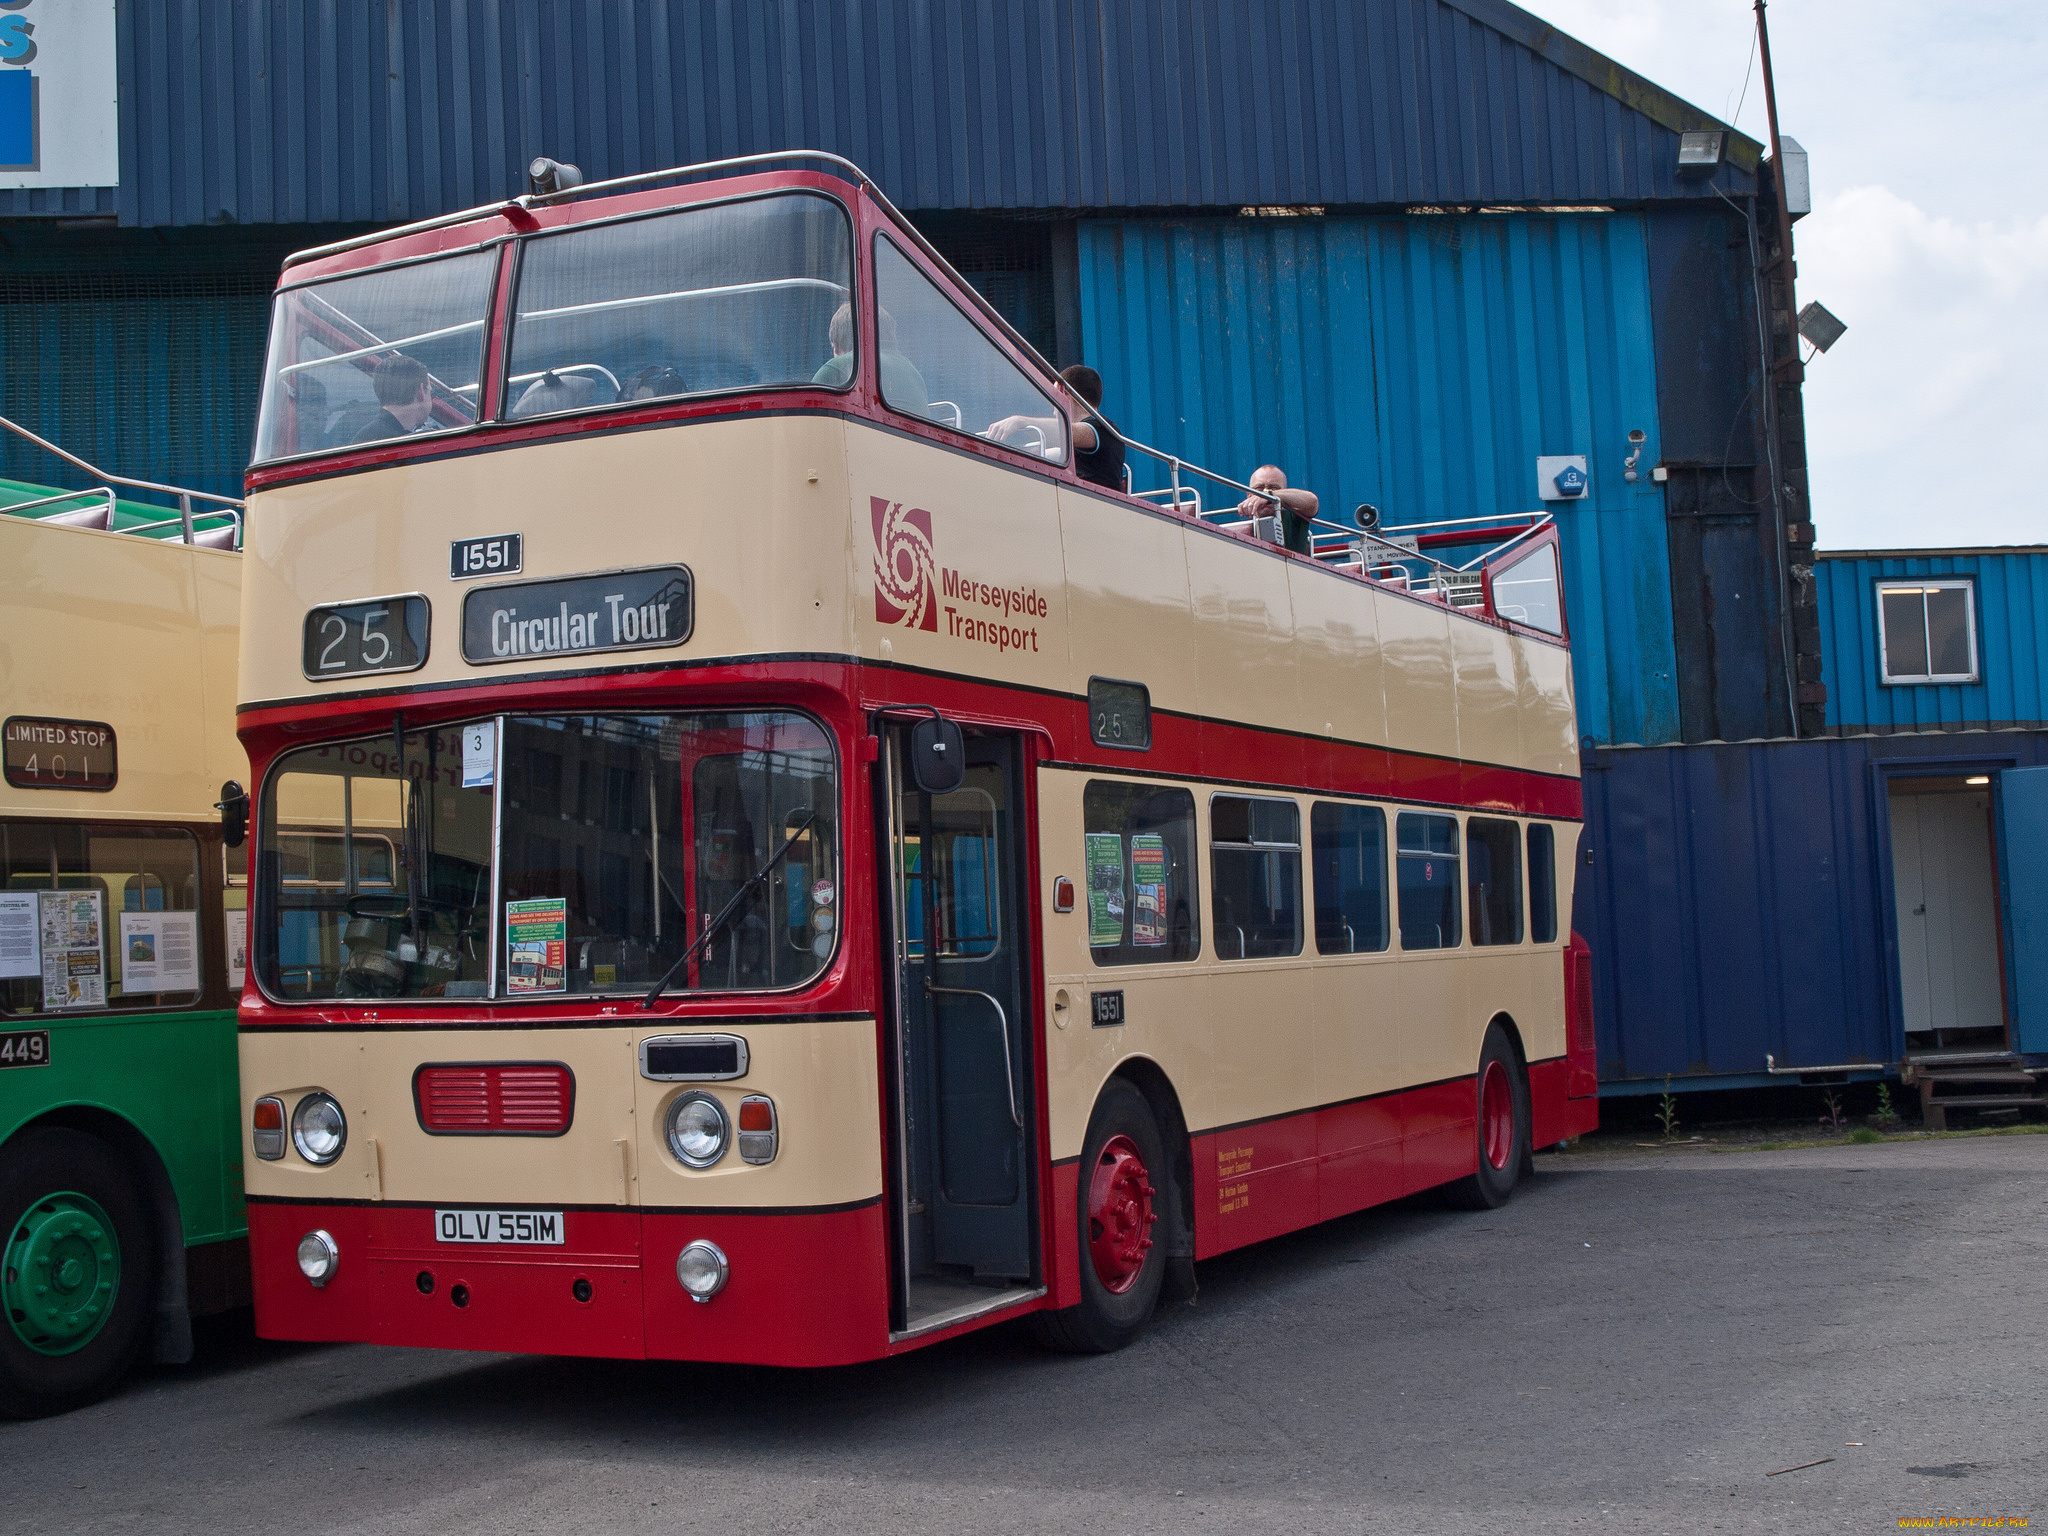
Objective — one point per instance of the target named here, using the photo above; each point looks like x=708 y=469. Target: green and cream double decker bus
x=121 y=941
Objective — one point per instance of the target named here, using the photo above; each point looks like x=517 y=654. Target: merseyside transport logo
x=905 y=572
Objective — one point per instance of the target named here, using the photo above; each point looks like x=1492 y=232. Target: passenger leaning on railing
x=1297 y=508
x=1098 y=451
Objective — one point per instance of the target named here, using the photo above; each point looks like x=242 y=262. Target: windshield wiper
x=654 y=993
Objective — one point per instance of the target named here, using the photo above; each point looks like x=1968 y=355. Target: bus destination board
x=59 y=754
x=578 y=615
x=378 y=634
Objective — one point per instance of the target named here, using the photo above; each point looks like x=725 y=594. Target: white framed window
x=1927 y=631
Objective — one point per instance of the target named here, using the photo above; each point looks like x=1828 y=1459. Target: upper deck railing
x=226 y=535
x=1389 y=556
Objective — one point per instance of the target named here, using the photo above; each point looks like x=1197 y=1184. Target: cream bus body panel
x=821 y=1074
x=989 y=526
x=151 y=625
x=784 y=565
x=1127 y=583
x=731 y=498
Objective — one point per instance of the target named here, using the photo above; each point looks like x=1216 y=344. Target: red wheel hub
x=1497 y=1115
x=1120 y=1215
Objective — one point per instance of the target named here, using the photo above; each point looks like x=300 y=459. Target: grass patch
x=1864 y=1136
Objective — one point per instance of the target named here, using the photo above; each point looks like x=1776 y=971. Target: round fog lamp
x=319 y=1129
x=319 y=1257
x=697 y=1130
x=701 y=1270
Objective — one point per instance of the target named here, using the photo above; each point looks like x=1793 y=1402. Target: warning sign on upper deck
x=577 y=615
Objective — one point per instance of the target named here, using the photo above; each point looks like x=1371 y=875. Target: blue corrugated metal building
x=1420 y=323
x=1867 y=903
x=1403 y=248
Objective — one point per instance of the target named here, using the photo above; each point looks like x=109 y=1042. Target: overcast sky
x=1927 y=126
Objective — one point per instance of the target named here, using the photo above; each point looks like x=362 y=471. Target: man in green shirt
x=902 y=385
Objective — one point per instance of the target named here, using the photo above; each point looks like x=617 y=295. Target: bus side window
x=1493 y=865
x=1255 y=863
x=1542 y=883
x=1348 y=848
x=1139 y=854
x=1426 y=871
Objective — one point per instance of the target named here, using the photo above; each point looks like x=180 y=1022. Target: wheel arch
x=1513 y=1031
x=1150 y=1079
x=172 y=1331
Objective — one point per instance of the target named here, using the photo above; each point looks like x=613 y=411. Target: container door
x=965 y=1105
x=2023 y=882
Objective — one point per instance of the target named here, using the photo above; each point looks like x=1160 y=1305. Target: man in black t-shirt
x=1098 y=451
x=401 y=386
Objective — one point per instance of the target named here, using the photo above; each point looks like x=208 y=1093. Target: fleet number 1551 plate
x=498 y=1227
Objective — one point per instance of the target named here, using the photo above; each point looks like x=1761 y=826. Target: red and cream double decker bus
x=758 y=861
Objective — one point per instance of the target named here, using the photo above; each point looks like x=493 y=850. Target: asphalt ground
x=1633 y=1344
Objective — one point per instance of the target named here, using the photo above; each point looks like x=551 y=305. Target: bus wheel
x=1503 y=1128
x=77 y=1273
x=1120 y=1197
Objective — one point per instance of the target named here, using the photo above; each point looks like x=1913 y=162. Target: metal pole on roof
x=1784 y=261
x=1791 y=373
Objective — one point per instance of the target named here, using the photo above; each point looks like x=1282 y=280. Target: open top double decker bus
x=121 y=937
x=757 y=861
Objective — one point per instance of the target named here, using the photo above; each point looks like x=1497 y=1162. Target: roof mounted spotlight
x=1818 y=326
x=546 y=176
x=1699 y=151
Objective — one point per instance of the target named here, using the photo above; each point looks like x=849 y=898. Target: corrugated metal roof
x=1421 y=363
x=2011 y=603
x=277 y=111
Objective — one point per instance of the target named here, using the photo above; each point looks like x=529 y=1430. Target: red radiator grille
x=528 y=1099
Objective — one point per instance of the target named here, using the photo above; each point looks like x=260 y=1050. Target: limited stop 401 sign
x=59 y=754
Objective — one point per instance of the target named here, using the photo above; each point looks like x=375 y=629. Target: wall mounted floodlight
x=1818 y=326
x=1699 y=151
x=546 y=176
x=1798 y=179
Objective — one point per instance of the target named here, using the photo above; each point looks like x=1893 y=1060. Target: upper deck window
x=936 y=364
x=733 y=296
x=380 y=356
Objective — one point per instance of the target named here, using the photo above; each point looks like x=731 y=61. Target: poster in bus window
x=238 y=948
x=1105 y=888
x=537 y=945
x=70 y=927
x=1149 y=890
x=159 y=952
x=20 y=954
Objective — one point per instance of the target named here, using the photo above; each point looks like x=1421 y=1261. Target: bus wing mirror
x=938 y=755
x=233 y=806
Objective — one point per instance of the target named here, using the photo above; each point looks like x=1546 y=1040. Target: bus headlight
x=319 y=1129
x=697 y=1130
x=319 y=1257
x=701 y=1270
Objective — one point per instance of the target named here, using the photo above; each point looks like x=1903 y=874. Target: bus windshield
x=378 y=356
x=742 y=295
x=612 y=840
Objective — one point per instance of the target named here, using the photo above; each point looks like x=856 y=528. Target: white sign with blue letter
x=59 y=102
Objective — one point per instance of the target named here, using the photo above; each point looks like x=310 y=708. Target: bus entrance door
x=963 y=1187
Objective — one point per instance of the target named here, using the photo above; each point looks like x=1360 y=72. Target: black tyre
x=1503 y=1131
x=78 y=1271
x=1120 y=1197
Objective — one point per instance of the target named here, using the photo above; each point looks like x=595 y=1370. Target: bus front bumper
x=806 y=1287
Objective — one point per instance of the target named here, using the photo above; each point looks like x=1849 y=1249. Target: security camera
x=1636 y=438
